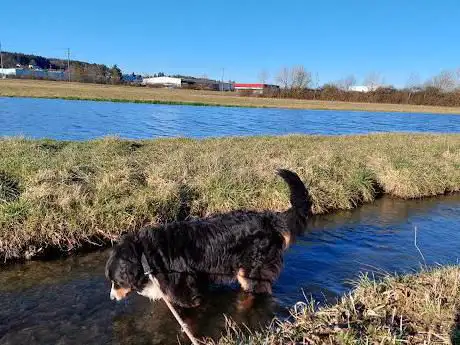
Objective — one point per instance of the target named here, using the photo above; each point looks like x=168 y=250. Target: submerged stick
x=154 y=281
x=416 y=246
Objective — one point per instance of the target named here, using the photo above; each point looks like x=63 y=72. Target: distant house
x=256 y=88
x=359 y=88
x=363 y=88
x=132 y=78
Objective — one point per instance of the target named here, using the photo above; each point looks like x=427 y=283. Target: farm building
x=256 y=88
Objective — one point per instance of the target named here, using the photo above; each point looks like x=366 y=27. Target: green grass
x=142 y=101
x=65 y=195
x=422 y=308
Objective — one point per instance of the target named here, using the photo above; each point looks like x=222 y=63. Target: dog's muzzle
x=118 y=294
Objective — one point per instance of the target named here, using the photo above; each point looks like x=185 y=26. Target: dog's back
x=223 y=243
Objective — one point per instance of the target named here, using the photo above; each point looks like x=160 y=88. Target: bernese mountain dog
x=186 y=256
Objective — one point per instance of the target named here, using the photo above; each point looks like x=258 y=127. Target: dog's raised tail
x=300 y=199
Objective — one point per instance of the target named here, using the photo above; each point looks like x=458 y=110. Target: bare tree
x=413 y=82
x=457 y=73
x=412 y=85
x=300 y=77
x=445 y=81
x=373 y=80
x=263 y=76
x=346 y=83
x=316 y=82
x=315 y=85
x=284 y=77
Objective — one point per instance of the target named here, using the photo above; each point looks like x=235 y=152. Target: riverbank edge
x=144 y=101
x=59 y=186
x=37 y=252
x=417 y=308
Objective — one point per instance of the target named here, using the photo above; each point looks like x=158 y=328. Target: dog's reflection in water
x=153 y=323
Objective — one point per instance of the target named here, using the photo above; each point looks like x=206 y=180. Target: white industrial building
x=177 y=82
x=363 y=88
x=163 y=81
x=359 y=88
x=32 y=73
x=8 y=71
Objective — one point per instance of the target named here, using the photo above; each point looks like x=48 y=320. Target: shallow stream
x=67 y=301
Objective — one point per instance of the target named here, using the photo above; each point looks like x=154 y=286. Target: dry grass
x=56 y=194
x=415 y=309
x=49 y=89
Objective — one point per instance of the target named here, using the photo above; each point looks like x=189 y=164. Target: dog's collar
x=145 y=265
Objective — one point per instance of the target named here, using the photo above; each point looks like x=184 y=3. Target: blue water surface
x=80 y=120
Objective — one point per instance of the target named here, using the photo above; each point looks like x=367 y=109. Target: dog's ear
x=122 y=237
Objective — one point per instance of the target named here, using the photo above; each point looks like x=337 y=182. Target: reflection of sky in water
x=78 y=120
x=67 y=301
x=378 y=237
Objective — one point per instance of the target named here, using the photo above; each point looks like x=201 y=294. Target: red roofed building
x=256 y=88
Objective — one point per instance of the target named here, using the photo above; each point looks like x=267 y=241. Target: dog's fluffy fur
x=185 y=257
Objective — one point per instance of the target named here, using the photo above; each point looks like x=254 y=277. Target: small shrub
x=9 y=188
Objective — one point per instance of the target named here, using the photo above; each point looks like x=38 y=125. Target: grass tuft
x=9 y=188
x=423 y=308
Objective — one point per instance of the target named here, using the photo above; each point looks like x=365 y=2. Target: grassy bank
x=63 y=195
x=415 y=309
x=113 y=93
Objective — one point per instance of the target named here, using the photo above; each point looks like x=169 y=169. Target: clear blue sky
x=332 y=38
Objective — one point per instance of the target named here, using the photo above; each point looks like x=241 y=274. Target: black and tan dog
x=185 y=257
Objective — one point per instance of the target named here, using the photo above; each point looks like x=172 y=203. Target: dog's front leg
x=182 y=289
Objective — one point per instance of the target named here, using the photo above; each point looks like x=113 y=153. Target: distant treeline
x=428 y=95
x=79 y=71
x=11 y=60
x=297 y=82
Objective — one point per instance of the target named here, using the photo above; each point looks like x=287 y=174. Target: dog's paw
x=245 y=302
x=196 y=301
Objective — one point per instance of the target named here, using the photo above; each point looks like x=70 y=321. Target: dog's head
x=124 y=268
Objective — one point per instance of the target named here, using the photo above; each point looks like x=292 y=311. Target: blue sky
x=332 y=38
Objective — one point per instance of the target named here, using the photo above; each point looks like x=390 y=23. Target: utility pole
x=222 y=81
x=1 y=60
x=68 y=62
